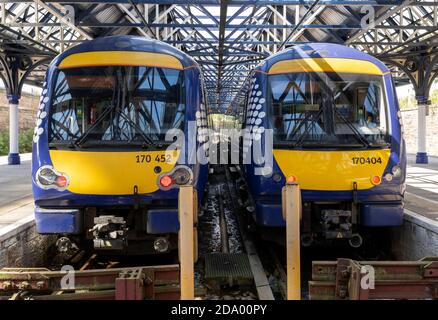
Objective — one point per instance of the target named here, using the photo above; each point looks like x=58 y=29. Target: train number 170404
x=367 y=160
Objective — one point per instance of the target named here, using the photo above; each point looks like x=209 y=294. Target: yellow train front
x=108 y=154
x=334 y=127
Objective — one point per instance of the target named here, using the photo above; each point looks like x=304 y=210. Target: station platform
x=422 y=188
x=20 y=244
x=16 y=202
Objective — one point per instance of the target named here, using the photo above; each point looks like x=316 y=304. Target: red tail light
x=166 y=181
x=61 y=181
x=376 y=180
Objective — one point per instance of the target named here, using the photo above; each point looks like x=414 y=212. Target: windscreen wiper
x=147 y=139
x=82 y=138
x=63 y=127
x=314 y=118
x=124 y=100
x=302 y=122
x=356 y=132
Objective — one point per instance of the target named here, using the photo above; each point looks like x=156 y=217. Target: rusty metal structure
x=139 y=283
x=347 y=279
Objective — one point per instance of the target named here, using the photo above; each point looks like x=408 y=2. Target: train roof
x=127 y=43
x=319 y=50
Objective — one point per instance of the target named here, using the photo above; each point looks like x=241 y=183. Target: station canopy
x=226 y=38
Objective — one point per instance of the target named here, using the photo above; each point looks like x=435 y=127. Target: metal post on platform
x=422 y=113
x=14 y=155
x=291 y=204
x=14 y=69
x=187 y=240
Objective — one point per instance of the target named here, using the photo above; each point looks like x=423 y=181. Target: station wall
x=416 y=239
x=27 y=110
x=22 y=246
x=410 y=123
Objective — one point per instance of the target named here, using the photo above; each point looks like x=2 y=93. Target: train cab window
x=116 y=105
x=328 y=109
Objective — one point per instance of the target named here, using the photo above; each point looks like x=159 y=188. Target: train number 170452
x=367 y=160
x=148 y=158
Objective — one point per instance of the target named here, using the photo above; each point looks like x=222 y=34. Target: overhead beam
x=63 y=19
x=385 y=15
x=142 y=18
x=358 y=3
x=294 y=33
x=222 y=23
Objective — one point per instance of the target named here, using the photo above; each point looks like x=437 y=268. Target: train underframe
x=113 y=230
x=329 y=222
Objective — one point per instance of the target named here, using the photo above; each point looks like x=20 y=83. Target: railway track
x=234 y=262
x=229 y=255
x=271 y=257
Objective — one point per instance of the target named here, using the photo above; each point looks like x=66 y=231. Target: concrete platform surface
x=16 y=211
x=16 y=202
x=422 y=188
x=15 y=181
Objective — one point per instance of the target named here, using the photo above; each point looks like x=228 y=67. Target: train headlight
x=181 y=176
x=396 y=171
x=48 y=178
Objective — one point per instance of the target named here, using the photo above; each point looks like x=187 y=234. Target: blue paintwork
x=126 y=43
x=267 y=193
x=422 y=158
x=162 y=221
x=383 y=214
x=13 y=98
x=63 y=221
x=268 y=213
x=14 y=158
x=40 y=151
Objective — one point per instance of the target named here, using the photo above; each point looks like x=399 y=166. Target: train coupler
x=337 y=224
x=110 y=233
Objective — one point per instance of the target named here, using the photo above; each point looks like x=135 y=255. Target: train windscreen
x=115 y=105
x=328 y=109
